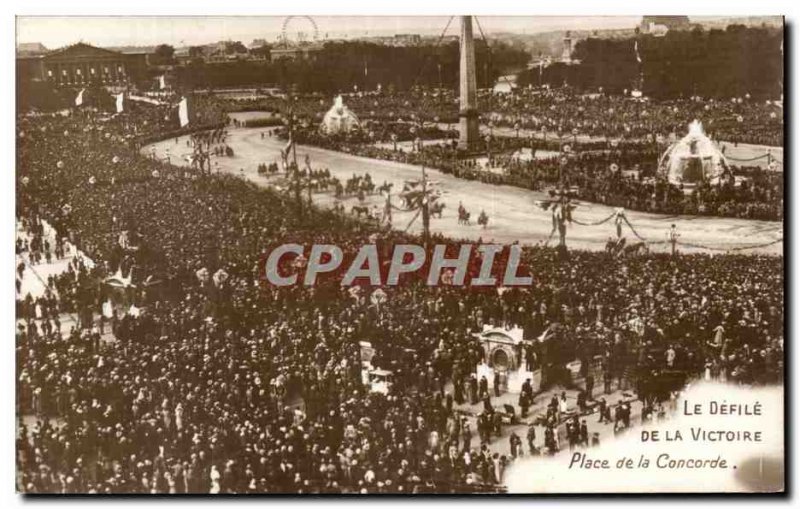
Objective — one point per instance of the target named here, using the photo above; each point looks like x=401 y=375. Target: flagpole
x=297 y=194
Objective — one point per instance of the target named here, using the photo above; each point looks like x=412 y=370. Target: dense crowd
x=738 y=120
x=561 y=112
x=218 y=384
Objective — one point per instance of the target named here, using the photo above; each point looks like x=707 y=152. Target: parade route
x=513 y=214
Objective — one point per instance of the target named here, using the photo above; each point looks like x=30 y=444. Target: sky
x=55 y=32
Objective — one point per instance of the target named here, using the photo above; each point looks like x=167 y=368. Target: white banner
x=183 y=112
x=79 y=99
x=120 y=103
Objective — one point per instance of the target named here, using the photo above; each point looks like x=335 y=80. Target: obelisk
x=468 y=110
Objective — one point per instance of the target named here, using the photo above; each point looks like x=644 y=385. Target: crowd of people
x=208 y=381
x=560 y=112
x=736 y=120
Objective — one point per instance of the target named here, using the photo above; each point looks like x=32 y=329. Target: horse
x=436 y=209
x=352 y=185
x=636 y=249
x=360 y=209
x=385 y=188
x=367 y=187
x=483 y=219
x=463 y=216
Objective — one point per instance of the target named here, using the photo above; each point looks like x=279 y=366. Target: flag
x=183 y=112
x=162 y=83
x=636 y=49
x=547 y=334
x=79 y=99
x=150 y=281
x=120 y=103
x=123 y=240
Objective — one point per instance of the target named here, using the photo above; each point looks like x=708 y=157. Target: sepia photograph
x=399 y=255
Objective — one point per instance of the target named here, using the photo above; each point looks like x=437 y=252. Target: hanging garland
x=739 y=248
x=412 y=220
x=597 y=222
x=633 y=229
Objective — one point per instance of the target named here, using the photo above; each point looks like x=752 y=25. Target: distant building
x=657 y=30
x=566 y=53
x=447 y=39
x=29 y=49
x=505 y=84
x=407 y=39
x=82 y=64
x=302 y=52
x=670 y=22
x=397 y=40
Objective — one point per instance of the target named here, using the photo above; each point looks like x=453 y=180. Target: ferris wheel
x=302 y=27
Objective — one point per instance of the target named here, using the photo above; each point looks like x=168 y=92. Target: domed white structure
x=339 y=119
x=693 y=159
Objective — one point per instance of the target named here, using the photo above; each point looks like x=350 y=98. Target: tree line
x=710 y=63
x=354 y=65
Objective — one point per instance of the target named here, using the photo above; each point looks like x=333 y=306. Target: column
x=468 y=111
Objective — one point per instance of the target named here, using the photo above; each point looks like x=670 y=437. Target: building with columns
x=81 y=65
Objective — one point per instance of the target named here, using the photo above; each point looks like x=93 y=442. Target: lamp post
x=425 y=199
x=533 y=146
x=308 y=181
x=562 y=168
x=290 y=119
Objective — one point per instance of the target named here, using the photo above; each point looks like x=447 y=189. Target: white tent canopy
x=339 y=119
x=693 y=159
